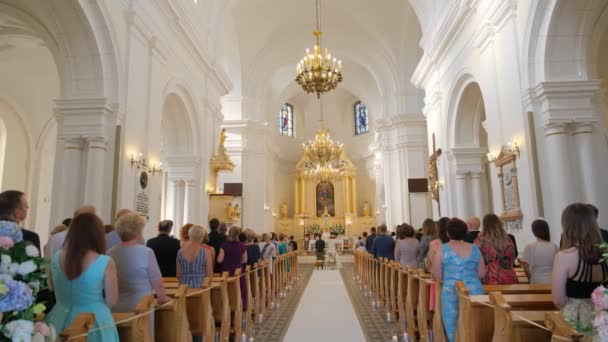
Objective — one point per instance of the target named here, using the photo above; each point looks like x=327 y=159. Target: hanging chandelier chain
x=318 y=8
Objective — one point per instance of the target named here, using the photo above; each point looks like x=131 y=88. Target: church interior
x=311 y=122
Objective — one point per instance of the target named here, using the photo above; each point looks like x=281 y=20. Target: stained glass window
x=361 y=119
x=286 y=120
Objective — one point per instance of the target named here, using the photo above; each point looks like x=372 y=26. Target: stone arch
x=179 y=121
x=557 y=40
x=468 y=170
x=79 y=40
x=180 y=148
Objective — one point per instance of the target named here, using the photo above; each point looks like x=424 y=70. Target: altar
x=325 y=206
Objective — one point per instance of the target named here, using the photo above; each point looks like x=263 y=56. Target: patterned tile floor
x=275 y=325
x=372 y=321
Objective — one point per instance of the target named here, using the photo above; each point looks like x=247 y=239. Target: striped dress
x=193 y=272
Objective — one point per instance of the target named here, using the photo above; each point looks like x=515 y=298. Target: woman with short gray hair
x=136 y=265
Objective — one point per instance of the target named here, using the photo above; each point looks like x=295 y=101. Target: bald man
x=56 y=241
x=112 y=238
x=473 y=223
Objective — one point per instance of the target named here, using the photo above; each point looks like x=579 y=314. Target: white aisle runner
x=325 y=313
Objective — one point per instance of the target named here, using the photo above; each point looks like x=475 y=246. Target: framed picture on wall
x=507 y=174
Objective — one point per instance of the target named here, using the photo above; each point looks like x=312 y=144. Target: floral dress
x=499 y=262
x=457 y=268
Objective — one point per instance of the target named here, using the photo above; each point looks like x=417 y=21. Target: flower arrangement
x=337 y=229
x=22 y=277
x=313 y=229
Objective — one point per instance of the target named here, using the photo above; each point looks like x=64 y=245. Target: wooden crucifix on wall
x=434 y=174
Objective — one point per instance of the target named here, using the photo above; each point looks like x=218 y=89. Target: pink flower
x=599 y=297
x=6 y=242
x=42 y=328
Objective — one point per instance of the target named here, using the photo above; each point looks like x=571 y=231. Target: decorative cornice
x=467 y=159
x=84 y=117
x=453 y=22
x=567 y=101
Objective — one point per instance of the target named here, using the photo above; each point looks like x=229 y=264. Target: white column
x=191 y=209
x=95 y=171
x=178 y=203
x=590 y=171
x=462 y=205
x=477 y=194
x=67 y=195
x=561 y=184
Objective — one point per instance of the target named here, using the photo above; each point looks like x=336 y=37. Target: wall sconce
x=157 y=169
x=139 y=162
x=512 y=147
x=491 y=157
x=208 y=189
x=266 y=207
x=274 y=213
x=440 y=184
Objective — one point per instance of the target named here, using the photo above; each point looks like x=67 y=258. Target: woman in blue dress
x=80 y=275
x=454 y=261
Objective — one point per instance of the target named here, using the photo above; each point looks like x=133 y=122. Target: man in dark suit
x=383 y=245
x=216 y=239
x=14 y=207
x=293 y=243
x=370 y=239
x=473 y=223
x=165 y=248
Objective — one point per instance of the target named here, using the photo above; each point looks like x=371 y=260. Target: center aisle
x=325 y=312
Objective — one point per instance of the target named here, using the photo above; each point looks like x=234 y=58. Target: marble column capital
x=72 y=144
x=555 y=128
x=476 y=174
x=96 y=143
x=582 y=128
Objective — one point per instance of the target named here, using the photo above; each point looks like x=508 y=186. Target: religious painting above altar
x=325 y=199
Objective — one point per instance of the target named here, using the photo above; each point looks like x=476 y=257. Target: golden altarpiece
x=326 y=203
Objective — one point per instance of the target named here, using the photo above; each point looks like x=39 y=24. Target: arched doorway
x=470 y=171
x=181 y=190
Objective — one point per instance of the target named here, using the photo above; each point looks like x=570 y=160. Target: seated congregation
x=452 y=281
x=107 y=284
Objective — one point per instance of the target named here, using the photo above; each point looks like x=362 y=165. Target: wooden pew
x=236 y=304
x=268 y=282
x=412 y=302
x=221 y=306
x=512 y=326
x=401 y=301
x=381 y=280
x=261 y=304
x=170 y=321
x=79 y=326
x=249 y=318
x=199 y=311
x=393 y=309
x=254 y=285
x=476 y=318
x=387 y=285
x=560 y=328
x=424 y=314
x=138 y=329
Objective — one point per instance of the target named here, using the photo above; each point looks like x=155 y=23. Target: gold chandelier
x=323 y=156
x=323 y=173
x=317 y=72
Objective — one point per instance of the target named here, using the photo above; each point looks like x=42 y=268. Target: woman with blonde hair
x=578 y=268
x=232 y=256
x=267 y=249
x=193 y=261
x=498 y=252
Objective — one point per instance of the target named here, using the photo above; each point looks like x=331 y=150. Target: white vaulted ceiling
x=263 y=40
